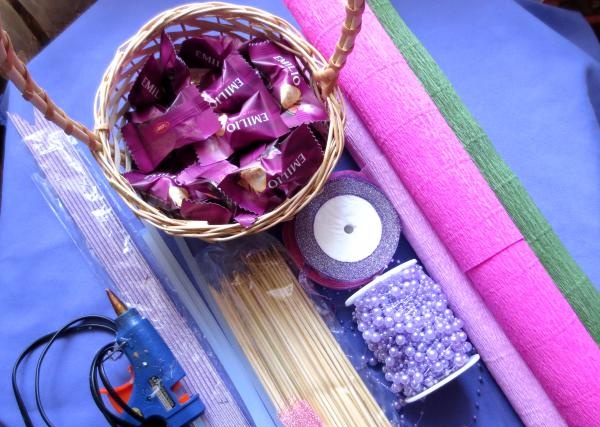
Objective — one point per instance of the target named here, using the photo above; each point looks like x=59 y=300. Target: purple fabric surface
x=552 y=145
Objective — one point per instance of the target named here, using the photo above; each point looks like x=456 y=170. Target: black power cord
x=80 y=325
x=98 y=367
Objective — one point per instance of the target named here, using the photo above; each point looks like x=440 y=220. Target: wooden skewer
x=316 y=388
x=352 y=383
x=312 y=344
x=289 y=345
x=317 y=346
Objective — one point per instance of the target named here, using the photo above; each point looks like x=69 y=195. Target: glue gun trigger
x=124 y=391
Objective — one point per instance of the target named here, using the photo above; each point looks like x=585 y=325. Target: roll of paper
x=526 y=396
x=463 y=211
x=572 y=282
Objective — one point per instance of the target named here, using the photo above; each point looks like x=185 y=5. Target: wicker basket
x=182 y=22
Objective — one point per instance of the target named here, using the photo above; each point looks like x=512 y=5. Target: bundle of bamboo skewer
x=289 y=345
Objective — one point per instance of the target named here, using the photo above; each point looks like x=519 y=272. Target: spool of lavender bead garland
x=403 y=316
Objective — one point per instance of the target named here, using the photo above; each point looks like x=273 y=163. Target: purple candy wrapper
x=293 y=161
x=207 y=51
x=245 y=219
x=145 y=115
x=265 y=180
x=287 y=84
x=159 y=189
x=303 y=113
x=176 y=73
x=187 y=121
x=211 y=212
x=214 y=172
x=178 y=160
x=202 y=77
x=247 y=188
x=202 y=181
x=321 y=131
x=238 y=82
x=148 y=89
x=159 y=81
x=252 y=155
x=207 y=201
x=259 y=120
x=212 y=150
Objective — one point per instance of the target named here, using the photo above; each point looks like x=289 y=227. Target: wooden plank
x=30 y=21
x=53 y=16
x=25 y=43
x=2 y=137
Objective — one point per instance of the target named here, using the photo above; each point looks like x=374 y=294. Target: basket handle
x=327 y=77
x=13 y=69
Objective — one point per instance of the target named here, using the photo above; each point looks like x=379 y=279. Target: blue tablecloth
x=528 y=73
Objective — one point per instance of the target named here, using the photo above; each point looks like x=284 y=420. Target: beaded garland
x=404 y=318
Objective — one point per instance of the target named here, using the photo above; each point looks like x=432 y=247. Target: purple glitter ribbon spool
x=403 y=316
x=382 y=220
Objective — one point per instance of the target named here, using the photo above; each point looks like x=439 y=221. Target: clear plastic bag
x=112 y=240
x=289 y=333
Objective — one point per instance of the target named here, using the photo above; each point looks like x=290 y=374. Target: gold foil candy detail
x=254 y=179
x=223 y=121
x=289 y=95
x=178 y=195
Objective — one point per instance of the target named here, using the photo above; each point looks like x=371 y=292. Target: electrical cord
x=107 y=353
x=86 y=323
x=105 y=324
x=97 y=369
x=79 y=325
x=97 y=366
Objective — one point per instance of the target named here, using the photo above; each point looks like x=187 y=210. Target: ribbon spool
x=403 y=316
x=346 y=235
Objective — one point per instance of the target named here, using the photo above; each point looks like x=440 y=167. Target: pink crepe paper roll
x=526 y=395
x=464 y=211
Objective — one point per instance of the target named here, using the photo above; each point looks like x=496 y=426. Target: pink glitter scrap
x=301 y=414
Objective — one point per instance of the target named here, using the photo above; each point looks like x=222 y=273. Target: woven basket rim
x=109 y=158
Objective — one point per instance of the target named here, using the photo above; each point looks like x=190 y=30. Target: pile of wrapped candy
x=222 y=131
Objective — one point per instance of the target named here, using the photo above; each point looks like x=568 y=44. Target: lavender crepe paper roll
x=514 y=377
x=344 y=273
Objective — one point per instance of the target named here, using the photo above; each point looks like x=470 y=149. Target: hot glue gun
x=155 y=390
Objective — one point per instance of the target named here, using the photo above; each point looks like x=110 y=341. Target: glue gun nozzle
x=117 y=304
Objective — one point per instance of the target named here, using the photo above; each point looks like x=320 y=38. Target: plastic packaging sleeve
x=105 y=236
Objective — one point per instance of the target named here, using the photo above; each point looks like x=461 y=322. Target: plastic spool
x=439 y=384
x=347 y=234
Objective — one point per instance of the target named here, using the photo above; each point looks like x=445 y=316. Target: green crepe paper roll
x=570 y=279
